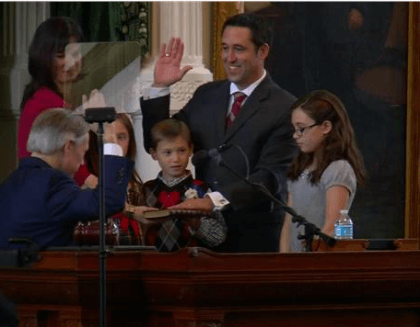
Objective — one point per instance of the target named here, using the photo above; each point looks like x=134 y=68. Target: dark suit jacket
x=261 y=136
x=44 y=204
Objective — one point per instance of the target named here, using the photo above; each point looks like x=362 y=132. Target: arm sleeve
x=340 y=173
x=212 y=230
x=67 y=201
x=83 y=173
x=155 y=92
x=154 y=110
x=219 y=201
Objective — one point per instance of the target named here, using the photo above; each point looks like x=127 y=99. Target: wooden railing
x=197 y=287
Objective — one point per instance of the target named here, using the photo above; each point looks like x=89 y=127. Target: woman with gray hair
x=40 y=200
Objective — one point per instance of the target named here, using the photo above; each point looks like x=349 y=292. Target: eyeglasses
x=301 y=130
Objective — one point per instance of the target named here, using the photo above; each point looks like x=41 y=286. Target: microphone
x=100 y=115
x=310 y=228
x=202 y=156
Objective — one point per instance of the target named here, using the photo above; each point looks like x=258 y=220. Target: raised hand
x=95 y=100
x=168 y=67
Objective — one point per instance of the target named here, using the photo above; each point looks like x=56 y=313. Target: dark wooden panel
x=198 y=286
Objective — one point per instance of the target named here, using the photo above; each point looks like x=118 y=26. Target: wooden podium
x=197 y=287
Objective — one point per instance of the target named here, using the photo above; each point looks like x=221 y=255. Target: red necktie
x=239 y=97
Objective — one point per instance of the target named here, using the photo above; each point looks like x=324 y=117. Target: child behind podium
x=131 y=229
x=323 y=177
x=172 y=147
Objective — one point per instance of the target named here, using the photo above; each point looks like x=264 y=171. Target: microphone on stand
x=202 y=156
x=101 y=116
x=310 y=229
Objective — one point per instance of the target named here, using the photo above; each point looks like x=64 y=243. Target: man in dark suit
x=40 y=200
x=249 y=116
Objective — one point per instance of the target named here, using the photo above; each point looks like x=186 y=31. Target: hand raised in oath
x=168 y=67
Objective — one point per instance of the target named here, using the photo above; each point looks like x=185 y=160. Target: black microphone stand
x=100 y=116
x=310 y=229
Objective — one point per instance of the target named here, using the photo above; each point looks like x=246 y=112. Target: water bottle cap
x=344 y=212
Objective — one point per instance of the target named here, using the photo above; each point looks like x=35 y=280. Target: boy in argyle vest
x=172 y=148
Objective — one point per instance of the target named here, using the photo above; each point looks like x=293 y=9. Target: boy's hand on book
x=204 y=204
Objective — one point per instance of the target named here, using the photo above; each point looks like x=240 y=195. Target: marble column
x=185 y=20
x=19 y=22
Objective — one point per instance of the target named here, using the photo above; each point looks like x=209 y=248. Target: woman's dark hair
x=51 y=37
x=91 y=158
x=338 y=144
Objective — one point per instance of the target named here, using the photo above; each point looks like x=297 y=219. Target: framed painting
x=367 y=53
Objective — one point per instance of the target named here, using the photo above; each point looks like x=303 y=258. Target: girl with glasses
x=323 y=177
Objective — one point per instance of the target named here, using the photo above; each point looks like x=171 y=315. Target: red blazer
x=43 y=99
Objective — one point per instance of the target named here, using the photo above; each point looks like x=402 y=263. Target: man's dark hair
x=261 y=32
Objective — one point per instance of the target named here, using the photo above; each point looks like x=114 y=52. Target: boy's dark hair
x=261 y=32
x=169 y=129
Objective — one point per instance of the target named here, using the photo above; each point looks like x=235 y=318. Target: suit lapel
x=221 y=111
x=250 y=108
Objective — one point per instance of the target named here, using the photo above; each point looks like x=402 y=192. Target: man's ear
x=153 y=153
x=263 y=51
x=191 y=150
x=68 y=146
x=326 y=127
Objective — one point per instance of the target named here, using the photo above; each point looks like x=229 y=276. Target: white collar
x=247 y=91
x=175 y=181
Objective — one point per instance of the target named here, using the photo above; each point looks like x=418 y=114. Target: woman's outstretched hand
x=168 y=67
x=95 y=100
x=138 y=212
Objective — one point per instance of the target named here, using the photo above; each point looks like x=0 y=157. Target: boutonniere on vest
x=191 y=194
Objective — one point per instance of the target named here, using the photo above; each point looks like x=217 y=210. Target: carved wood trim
x=221 y=11
x=412 y=202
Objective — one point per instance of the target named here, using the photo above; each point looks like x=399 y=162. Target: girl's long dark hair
x=51 y=37
x=339 y=143
x=91 y=159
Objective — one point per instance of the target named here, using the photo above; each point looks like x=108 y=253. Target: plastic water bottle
x=343 y=227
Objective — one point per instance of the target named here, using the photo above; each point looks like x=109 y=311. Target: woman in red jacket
x=52 y=70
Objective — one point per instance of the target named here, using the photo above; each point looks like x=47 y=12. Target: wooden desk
x=196 y=287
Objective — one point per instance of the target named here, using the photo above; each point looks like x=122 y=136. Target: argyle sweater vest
x=161 y=196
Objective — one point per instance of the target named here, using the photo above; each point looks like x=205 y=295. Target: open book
x=180 y=213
